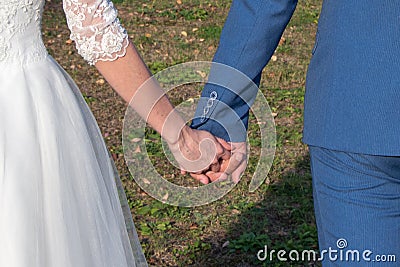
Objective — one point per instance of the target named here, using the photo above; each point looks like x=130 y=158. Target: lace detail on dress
x=96 y=29
x=20 y=37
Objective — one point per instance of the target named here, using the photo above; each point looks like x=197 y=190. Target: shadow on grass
x=284 y=219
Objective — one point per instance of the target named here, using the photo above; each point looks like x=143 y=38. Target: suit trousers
x=357 y=207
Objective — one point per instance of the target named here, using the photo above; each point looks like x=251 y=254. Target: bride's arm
x=103 y=42
x=129 y=73
x=126 y=75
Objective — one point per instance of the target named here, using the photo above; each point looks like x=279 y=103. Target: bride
x=59 y=202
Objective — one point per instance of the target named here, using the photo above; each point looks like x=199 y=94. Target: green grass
x=231 y=231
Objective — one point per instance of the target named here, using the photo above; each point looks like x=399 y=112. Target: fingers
x=211 y=152
x=223 y=163
x=213 y=176
x=226 y=155
x=223 y=151
x=220 y=170
x=224 y=143
x=235 y=161
x=202 y=178
x=236 y=174
x=215 y=167
x=235 y=167
x=227 y=148
x=222 y=154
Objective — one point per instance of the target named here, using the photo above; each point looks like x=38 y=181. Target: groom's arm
x=248 y=40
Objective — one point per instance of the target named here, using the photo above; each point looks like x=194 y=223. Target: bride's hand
x=196 y=150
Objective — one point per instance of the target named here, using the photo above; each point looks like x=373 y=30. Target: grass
x=231 y=231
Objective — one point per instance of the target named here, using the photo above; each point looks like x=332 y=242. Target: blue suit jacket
x=352 y=100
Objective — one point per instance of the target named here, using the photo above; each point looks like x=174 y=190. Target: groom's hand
x=233 y=166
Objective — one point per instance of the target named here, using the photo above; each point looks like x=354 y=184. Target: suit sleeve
x=248 y=40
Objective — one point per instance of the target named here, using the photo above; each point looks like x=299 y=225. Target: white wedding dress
x=61 y=202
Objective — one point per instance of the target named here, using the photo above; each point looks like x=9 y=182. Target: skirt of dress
x=61 y=200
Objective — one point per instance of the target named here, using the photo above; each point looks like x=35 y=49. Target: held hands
x=196 y=150
x=233 y=166
x=208 y=158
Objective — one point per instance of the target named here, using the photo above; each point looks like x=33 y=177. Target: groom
x=351 y=112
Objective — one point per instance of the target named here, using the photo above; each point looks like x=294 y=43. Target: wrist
x=175 y=130
x=183 y=134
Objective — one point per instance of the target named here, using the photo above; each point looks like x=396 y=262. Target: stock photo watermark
x=340 y=253
x=233 y=83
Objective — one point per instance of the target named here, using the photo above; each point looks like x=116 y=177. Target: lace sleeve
x=96 y=29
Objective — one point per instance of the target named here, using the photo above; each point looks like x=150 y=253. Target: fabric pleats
x=60 y=196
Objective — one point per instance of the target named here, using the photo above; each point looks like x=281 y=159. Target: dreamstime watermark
x=234 y=83
x=341 y=253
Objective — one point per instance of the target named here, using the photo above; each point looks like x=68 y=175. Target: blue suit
x=351 y=110
x=352 y=100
